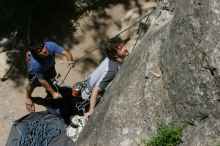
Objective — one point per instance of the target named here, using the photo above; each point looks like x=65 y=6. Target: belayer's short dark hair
x=35 y=46
x=111 y=47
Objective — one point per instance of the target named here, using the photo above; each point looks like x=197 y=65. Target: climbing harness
x=76 y=91
x=77 y=88
x=81 y=106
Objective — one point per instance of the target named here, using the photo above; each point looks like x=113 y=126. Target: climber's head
x=115 y=49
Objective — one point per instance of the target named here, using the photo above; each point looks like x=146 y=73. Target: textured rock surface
x=190 y=65
x=6 y=63
x=172 y=75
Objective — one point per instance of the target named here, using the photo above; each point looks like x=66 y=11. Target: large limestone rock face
x=190 y=65
x=172 y=75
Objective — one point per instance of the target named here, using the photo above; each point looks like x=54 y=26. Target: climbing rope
x=36 y=133
x=81 y=58
x=141 y=30
x=65 y=76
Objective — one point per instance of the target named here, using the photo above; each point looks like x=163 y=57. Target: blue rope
x=37 y=133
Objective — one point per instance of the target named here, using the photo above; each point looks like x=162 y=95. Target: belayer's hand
x=71 y=64
x=29 y=104
x=56 y=95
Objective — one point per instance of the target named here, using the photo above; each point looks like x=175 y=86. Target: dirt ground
x=12 y=97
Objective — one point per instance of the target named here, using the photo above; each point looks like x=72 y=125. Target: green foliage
x=166 y=135
x=217 y=144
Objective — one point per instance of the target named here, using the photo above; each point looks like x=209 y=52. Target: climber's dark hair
x=35 y=46
x=111 y=47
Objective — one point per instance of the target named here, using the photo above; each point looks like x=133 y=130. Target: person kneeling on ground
x=98 y=81
x=41 y=68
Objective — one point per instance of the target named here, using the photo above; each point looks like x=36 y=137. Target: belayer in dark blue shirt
x=41 y=68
